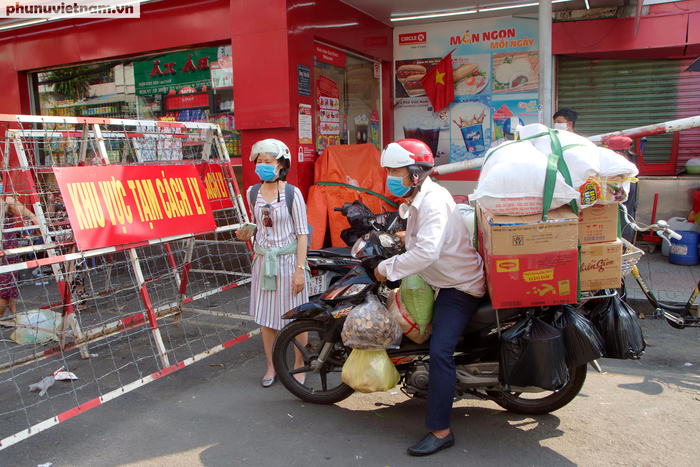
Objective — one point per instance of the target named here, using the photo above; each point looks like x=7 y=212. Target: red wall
x=266 y=54
x=163 y=25
x=668 y=31
x=269 y=37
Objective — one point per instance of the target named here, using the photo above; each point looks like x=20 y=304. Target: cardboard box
x=529 y=262
x=598 y=224
x=601 y=265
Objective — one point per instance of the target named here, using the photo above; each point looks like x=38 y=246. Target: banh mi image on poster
x=468 y=79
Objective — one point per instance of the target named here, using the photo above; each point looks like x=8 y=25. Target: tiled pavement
x=669 y=282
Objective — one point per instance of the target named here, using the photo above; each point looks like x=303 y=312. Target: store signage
x=212 y=176
x=305 y=125
x=413 y=38
x=172 y=72
x=328 y=111
x=304 y=80
x=221 y=77
x=117 y=205
x=330 y=55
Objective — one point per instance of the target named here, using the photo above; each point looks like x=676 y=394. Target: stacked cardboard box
x=601 y=250
x=598 y=224
x=529 y=262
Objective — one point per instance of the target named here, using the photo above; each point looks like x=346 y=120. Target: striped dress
x=268 y=306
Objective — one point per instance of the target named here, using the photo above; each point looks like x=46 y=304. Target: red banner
x=117 y=205
x=215 y=185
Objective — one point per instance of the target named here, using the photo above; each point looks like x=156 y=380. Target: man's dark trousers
x=453 y=309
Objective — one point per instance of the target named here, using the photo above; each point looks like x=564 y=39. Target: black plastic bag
x=582 y=340
x=533 y=354
x=620 y=328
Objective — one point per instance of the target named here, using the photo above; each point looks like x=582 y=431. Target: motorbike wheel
x=540 y=403
x=324 y=387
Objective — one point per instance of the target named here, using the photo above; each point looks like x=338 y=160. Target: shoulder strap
x=254 y=190
x=289 y=197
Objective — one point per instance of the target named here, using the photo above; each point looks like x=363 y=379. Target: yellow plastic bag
x=370 y=371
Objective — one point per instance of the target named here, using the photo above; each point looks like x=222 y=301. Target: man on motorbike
x=438 y=247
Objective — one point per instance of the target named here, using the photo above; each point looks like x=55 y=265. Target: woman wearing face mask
x=279 y=266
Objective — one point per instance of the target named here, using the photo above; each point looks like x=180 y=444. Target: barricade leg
x=150 y=312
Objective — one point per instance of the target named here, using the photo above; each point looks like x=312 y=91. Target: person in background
x=279 y=266
x=565 y=119
x=439 y=248
x=510 y=127
x=623 y=146
x=12 y=212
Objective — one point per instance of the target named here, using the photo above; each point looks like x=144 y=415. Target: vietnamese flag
x=439 y=84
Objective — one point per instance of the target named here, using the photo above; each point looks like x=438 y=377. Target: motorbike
x=330 y=264
x=315 y=332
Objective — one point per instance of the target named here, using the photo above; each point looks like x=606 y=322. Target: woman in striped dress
x=279 y=266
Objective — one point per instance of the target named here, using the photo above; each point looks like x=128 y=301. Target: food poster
x=494 y=64
x=470 y=127
x=515 y=72
x=525 y=109
x=328 y=111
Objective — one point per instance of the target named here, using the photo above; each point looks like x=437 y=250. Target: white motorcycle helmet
x=270 y=146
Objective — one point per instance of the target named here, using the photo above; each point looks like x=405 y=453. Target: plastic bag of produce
x=512 y=181
x=419 y=298
x=620 y=328
x=370 y=371
x=399 y=311
x=370 y=326
x=533 y=354
x=582 y=340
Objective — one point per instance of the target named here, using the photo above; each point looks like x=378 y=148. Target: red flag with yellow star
x=439 y=84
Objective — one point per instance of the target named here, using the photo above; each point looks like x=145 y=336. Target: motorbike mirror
x=403 y=211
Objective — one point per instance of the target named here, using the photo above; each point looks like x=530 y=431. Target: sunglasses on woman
x=267 y=220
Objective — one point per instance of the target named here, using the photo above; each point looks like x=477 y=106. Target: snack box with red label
x=529 y=262
x=598 y=223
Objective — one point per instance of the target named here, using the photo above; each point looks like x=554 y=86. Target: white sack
x=512 y=181
x=588 y=165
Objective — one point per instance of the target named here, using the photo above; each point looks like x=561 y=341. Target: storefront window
x=187 y=86
x=348 y=103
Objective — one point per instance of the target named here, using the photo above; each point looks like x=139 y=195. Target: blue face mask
x=395 y=185
x=266 y=172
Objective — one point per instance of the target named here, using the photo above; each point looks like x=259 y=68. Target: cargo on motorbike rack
x=477 y=356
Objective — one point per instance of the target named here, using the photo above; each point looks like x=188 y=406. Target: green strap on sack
x=578 y=275
x=555 y=164
x=357 y=188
